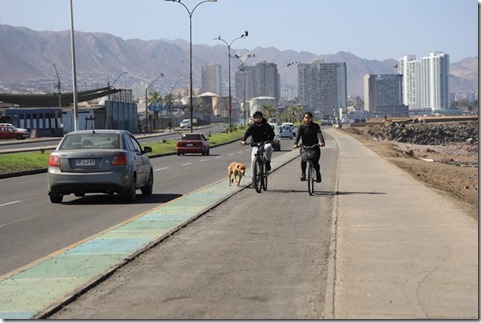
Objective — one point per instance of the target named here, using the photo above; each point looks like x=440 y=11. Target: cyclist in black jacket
x=260 y=131
x=310 y=134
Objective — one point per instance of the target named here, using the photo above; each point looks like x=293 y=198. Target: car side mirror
x=147 y=149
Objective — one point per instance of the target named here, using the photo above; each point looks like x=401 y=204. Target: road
x=31 y=227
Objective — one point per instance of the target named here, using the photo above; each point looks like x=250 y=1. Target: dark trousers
x=315 y=161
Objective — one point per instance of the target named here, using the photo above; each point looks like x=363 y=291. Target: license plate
x=189 y=145
x=85 y=162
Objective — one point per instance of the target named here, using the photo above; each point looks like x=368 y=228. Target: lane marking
x=163 y=168
x=8 y=203
x=186 y=164
x=203 y=160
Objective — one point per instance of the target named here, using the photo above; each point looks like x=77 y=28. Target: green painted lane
x=44 y=286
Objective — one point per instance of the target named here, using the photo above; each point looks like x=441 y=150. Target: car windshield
x=191 y=136
x=90 y=141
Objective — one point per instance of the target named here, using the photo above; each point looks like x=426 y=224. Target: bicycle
x=308 y=153
x=260 y=176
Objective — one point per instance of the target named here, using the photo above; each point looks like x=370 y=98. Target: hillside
x=26 y=61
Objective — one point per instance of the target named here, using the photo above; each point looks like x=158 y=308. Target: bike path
x=53 y=280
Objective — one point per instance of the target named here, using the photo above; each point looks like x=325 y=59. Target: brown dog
x=235 y=172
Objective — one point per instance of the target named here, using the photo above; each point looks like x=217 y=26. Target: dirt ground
x=450 y=169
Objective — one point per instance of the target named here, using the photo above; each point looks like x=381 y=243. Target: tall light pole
x=229 y=70
x=107 y=125
x=74 y=73
x=190 y=12
x=147 y=112
x=58 y=86
x=244 y=80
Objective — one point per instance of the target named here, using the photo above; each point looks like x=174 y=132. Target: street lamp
x=244 y=80
x=107 y=125
x=229 y=69
x=58 y=86
x=190 y=12
x=147 y=112
x=74 y=72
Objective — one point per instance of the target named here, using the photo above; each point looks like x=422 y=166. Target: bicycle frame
x=311 y=174
x=260 y=176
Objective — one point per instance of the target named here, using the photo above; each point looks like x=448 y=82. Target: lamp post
x=147 y=112
x=107 y=125
x=229 y=69
x=190 y=12
x=244 y=80
x=58 y=86
x=74 y=73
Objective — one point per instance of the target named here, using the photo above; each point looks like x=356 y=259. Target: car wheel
x=179 y=154
x=56 y=198
x=131 y=193
x=207 y=152
x=147 y=190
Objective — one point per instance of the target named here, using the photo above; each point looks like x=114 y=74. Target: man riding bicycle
x=260 y=131
x=310 y=134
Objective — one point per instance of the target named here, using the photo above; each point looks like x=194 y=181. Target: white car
x=186 y=123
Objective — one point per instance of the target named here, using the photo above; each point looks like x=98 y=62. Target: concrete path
x=400 y=251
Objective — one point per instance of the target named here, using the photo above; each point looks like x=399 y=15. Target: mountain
x=26 y=58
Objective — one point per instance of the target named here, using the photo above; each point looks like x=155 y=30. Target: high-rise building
x=434 y=81
x=211 y=78
x=261 y=80
x=322 y=88
x=383 y=95
x=425 y=81
x=409 y=67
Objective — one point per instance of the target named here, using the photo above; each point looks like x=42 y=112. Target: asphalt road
x=31 y=227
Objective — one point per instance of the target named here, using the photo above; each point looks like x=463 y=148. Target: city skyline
x=372 y=29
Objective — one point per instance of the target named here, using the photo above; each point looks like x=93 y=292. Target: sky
x=370 y=29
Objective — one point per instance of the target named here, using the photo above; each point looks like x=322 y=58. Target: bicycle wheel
x=264 y=178
x=257 y=174
x=311 y=178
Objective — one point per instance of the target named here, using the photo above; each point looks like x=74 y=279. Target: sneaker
x=318 y=177
x=303 y=177
x=268 y=166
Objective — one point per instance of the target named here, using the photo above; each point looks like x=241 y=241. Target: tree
x=268 y=111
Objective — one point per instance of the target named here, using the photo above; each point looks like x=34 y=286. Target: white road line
x=203 y=160
x=219 y=157
x=8 y=203
x=186 y=164
x=163 y=168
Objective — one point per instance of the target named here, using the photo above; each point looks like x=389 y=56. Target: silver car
x=99 y=161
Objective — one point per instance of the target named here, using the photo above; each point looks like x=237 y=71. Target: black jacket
x=310 y=134
x=264 y=132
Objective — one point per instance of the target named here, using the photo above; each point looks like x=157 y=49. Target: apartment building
x=322 y=88
x=425 y=84
x=260 y=80
x=383 y=95
x=211 y=79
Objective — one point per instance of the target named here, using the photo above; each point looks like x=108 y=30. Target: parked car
x=276 y=141
x=186 y=123
x=192 y=143
x=286 y=132
x=9 y=131
x=99 y=161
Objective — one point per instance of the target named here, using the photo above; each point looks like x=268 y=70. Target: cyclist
x=310 y=134
x=260 y=131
